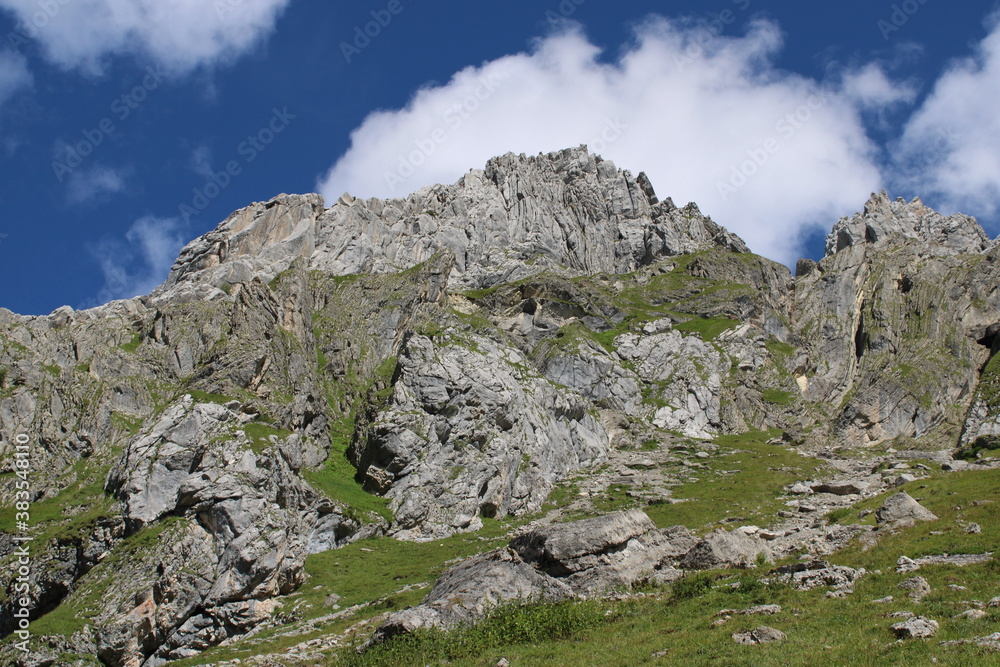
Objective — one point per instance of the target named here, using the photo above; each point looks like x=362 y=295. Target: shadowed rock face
x=458 y=353
x=895 y=320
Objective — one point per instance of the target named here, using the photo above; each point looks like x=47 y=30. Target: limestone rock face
x=568 y=208
x=884 y=221
x=470 y=430
x=694 y=368
x=243 y=546
x=895 y=322
x=597 y=376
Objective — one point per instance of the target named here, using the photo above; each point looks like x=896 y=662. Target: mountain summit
x=502 y=223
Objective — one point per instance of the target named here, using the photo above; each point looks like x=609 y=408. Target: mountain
x=543 y=341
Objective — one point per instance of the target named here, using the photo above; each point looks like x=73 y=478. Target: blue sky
x=129 y=127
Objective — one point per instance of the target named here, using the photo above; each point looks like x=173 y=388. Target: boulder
x=761 y=635
x=724 y=549
x=599 y=553
x=548 y=563
x=901 y=509
x=915 y=628
x=917 y=587
x=468 y=589
x=841 y=487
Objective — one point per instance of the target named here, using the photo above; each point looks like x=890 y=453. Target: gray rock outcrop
x=552 y=563
x=761 y=635
x=470 y=430
x=568 y=208
x=915 y=628
x=901 y=509
x=721 y=549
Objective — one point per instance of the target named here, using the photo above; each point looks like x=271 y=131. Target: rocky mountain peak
x=883 y=219
x=568 y=209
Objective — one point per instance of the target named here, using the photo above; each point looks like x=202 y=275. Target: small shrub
x=750 y=587
x=984 y=443
x=836 y=515
x=692 y=586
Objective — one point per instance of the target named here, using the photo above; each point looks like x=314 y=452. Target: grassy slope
x=821 y=631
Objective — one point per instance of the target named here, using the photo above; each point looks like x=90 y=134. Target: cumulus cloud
x=86 y=185
x=951 y=145
x=180 y=34
x=709 y=117
x=14 y=74
x=140 y=262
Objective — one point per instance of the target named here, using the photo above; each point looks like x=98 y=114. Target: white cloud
x=179 y=34
x=14 y=74
x=950 y=149
x=696 y=108
x=870 y=87
x=86 y=185
x=139 y=263
x=201 y=161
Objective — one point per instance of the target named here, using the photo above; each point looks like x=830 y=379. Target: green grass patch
x=563 y=494
x=127 y=422
x=779 y=349
x=88 y=598
x=674 y=627
x=708 y=328
x=260 y=435
x=79 y=505
x=744 y=480
x=368 y=571
x=503 y=626
x=205 y=397
x=132 y=345
x=778 y=397
x=957 y=498
x=336 y=480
